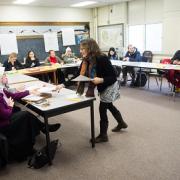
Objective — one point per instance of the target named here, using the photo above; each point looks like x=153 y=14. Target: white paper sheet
x=82 y=78
x=2 y=70
x=51 y=41
x=46 y=89
x=68 y=37
x=8 y=44
x=32 y=98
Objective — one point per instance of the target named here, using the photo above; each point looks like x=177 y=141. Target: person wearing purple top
x=19 y=127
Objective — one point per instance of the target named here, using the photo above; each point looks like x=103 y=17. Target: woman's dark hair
x=112 y=49
x=91 y=46
x=27 y=57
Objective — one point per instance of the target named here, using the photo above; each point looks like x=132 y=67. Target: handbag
x=111 y=93
x=40 y=157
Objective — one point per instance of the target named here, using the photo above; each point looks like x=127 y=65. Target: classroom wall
x=145 y=12
x=45 y=14
x=154 y=11
x=137 y=12
x=171 y=26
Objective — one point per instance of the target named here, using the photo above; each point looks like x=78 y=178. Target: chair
x=148 y=55
x=160 y=73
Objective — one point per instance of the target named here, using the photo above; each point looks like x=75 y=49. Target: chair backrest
x=148 y=55
x=165 y=61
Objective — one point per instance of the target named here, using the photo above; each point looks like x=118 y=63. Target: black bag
x=3 y=151
x=40 y=158
x=143 y=79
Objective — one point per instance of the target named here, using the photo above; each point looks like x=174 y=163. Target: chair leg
x=161 y=83
x=148 y=80
x=157 y=81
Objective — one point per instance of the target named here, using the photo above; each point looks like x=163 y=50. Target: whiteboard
x=8 y=44
x=110 y=36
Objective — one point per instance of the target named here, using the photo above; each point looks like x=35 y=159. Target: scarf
x=88 y=69
x=53 y=59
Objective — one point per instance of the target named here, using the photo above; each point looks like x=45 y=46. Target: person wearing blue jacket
x=132 y=55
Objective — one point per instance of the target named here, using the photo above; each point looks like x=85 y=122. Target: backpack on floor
x=40 y=158
x=143 y=79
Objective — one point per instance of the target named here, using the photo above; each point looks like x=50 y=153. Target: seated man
x=132 y=55
x=174 y=77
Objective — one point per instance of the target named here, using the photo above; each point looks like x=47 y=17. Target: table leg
x=174 y=87
x=47 y=139
x=92 y=125
x=140 y=71
x=54 y=77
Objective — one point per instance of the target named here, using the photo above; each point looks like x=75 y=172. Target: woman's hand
x=59 y=87
x=175 y=62
x=98 y=80
x=10 y=102
x=20 y=88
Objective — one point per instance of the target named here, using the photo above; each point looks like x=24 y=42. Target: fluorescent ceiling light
x=83 y=3
x=23 y=1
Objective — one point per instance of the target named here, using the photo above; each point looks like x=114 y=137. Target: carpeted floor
x=148 y=150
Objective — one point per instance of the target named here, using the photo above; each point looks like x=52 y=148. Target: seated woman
x=12 y=63
x=31 y=60
x=174 y=76
x=112 y=55
x=19 y=127
x=68 y=58
x=53 y=59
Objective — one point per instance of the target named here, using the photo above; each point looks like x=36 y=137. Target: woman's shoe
x=101 y=138
x=52 y=127
x=119 y=127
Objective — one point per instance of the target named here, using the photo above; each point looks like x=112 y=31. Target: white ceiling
x=63 y=3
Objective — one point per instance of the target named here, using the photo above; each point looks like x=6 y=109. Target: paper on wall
x=8 y=44
x=68 y=37
x=51 y=41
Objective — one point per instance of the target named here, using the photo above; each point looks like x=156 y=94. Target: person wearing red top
x=53 y=59
x=174 y=76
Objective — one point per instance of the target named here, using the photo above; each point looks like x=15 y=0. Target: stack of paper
x=32 y=98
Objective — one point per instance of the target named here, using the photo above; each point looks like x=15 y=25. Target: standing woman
x=12 y=63
x=31 y=60
x=98 y=65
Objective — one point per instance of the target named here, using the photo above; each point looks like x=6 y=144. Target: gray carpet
x=148 y=150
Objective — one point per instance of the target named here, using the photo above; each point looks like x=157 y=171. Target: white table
x=15 y=78
x=64 y=101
